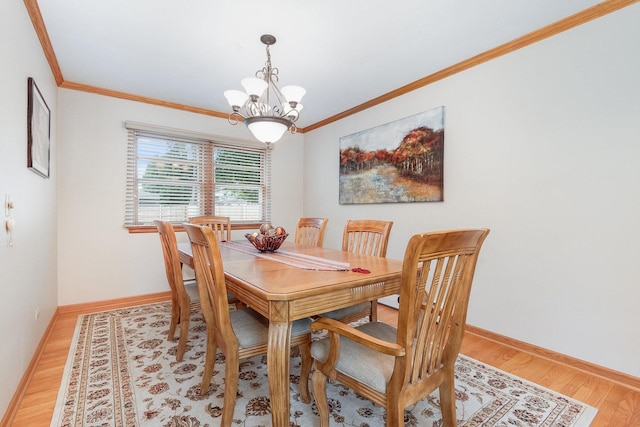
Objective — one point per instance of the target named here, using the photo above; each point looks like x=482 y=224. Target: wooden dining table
x=283 y=293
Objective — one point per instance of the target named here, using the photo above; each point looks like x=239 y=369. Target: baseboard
x=97 y=306
x=617 y=377
x=89 y=307
x=16 y=400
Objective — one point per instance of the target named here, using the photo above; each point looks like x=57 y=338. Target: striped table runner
x=293 y=259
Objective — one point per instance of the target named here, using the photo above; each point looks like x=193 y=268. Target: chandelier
x=265 y=109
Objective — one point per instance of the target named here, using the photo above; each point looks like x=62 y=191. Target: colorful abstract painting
x=398 y=162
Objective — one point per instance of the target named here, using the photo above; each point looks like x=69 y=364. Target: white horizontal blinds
x=168 y=179
x=241 y=180
x=266 y=188
x=131 y=202
x=172 y=177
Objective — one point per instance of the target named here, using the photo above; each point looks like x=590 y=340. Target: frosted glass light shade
x=267 y=129
x=236 y=98
x=254 y=86
x=293 y=93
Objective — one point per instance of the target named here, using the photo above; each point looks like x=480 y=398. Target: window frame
x=136 y=130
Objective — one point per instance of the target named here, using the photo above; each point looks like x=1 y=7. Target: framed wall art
x=38 y=131
x=398 y=162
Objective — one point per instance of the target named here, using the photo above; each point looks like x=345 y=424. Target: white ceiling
x=343 y=52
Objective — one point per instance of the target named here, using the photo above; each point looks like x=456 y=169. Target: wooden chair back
x=221 y=225
x=433 y=306
x=212 y=286
x=171 y=256
x=181 y=296
x=366 y=236
x=310 y=231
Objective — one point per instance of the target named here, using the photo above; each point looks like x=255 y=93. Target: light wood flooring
x=617 y=404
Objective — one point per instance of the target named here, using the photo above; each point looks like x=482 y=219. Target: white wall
x=99 y=259
x=28 y=277
x=542 y=147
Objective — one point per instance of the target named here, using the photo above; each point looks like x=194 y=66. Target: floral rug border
x=122 y=367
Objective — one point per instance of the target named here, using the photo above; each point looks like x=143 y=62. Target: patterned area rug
x=121 y=371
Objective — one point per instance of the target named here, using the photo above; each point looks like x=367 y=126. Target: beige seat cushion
x=359 y=362
x=252 y=328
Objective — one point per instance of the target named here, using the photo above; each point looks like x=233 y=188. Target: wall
x=28 y=268
x=542 y=147
x=99 y=259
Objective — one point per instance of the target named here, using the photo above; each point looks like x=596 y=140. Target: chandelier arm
x=276 y=90
x=293 y=115
x=235 y=118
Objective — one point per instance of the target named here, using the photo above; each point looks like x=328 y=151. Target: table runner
x=293 y=259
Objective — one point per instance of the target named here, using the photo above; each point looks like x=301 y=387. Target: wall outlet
x=37 y=313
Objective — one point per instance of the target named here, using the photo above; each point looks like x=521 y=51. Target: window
x=173 y=175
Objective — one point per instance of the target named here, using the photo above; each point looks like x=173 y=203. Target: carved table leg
x=278 y=353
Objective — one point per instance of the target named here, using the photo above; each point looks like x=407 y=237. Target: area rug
x=122 y=371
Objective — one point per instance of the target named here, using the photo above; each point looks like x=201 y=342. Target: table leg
x=278 y=354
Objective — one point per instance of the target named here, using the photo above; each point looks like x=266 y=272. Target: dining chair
x=310 y=231
x=238 y=334
x=221 y=225
x=396 y=368
x=366 y=237
x=182 y=295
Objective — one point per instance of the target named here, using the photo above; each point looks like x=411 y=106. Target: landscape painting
x=398 y=162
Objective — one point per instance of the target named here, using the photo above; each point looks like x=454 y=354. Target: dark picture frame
x=38 y=131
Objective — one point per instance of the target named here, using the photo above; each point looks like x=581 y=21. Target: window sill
x=177 y=227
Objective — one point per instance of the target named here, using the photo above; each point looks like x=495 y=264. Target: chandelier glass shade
x=263 y=107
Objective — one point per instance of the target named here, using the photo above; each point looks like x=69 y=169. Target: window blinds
x=173 y=176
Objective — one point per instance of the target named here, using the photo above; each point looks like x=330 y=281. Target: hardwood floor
x=618 y=405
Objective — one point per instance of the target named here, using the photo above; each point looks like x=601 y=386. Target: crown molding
x=594 y=12
x=143 y=99
x=572 y=21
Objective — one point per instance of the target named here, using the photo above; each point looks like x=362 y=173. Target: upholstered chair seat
x=252 y=328
x=356 y=361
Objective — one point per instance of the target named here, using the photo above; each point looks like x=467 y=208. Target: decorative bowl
x=266 y=242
